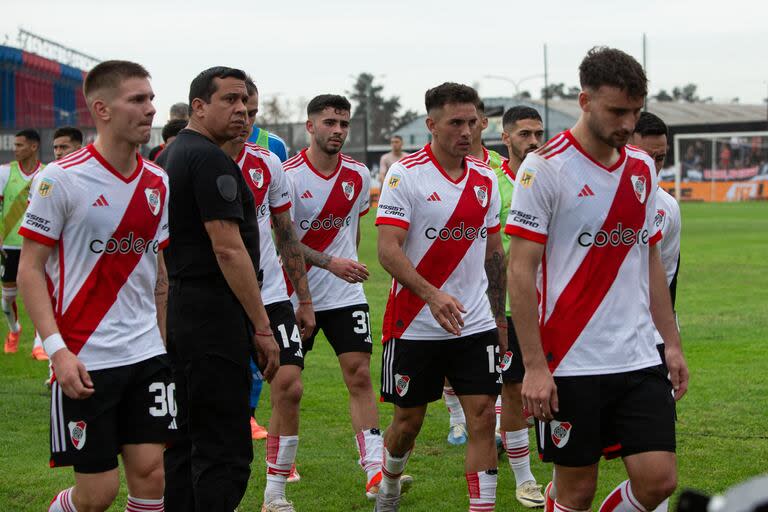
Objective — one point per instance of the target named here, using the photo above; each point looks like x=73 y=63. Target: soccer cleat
x=294 y=475
x=12 y=342
x=529 y=494
x=387 y=503
x=257 y=431
x=278 y=505
x=38 y=354
x=457 y=435
x=549 y=502
x=372 y=488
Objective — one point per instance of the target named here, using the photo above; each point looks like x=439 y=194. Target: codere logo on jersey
x=77 y=433
x=462 y=231
x=327 y=224
x=615 y=237
x=401 y=384
x=561 y=432
x=124 y=245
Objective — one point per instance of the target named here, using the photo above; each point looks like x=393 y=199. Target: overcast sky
x=302 y=48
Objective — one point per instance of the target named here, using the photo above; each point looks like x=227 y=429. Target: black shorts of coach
x=348 y=329
x=512 y=369
x=619 y=414
x=132 y=404
x=413 y=371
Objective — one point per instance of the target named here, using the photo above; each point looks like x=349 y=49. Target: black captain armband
x=227 y=186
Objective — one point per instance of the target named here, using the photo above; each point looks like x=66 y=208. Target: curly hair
x=450 y=92
x=614 y=68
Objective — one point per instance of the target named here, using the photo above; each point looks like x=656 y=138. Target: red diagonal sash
x=441 y=259
x=252 y=162
x=100 y=289
x=336 y=208
x=597 y=272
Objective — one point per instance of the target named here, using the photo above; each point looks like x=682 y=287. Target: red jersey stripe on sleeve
x=392 y=222
x=281 y=209
x=495 y=229
x=525 y=233
x=37 y=237
x=655 y=238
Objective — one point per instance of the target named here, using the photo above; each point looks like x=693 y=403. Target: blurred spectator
x=66 y=140
x=170 y=131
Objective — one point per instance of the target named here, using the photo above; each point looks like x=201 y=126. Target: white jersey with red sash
x=597 y=225
x=326 y=211
x=264 y=175
x=448 y=222
x=106 y=231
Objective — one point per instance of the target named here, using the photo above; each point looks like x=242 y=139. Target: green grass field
x=723 y=308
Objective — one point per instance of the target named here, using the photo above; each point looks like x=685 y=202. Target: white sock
x=621 y=499
x=63 y=502
x=663 y=506
x=9 y=308
x=369 y=445
x=38 y=342
x=519 y=455
x=281 y=454
x=454 y=406
x=482 y=490
x=563 y=508
x=498 y=413
x=391 y=470
x=144 y=505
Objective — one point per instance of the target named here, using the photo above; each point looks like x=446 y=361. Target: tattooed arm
x=349 y=270
x=497 y=284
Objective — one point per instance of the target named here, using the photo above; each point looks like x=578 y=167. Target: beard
x=614 y=139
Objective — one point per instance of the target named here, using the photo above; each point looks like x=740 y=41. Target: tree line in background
x=385 y=114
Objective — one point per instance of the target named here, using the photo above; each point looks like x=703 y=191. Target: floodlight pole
x=546 y=96
x=645 y=68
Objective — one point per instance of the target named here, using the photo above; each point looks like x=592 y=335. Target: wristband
x=305 y=302
x=503 y=326
x=263 y=334
x=53 y=344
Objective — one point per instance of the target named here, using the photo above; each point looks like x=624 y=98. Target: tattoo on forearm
x=316 y=258
x=291 y=254
x=494 y=269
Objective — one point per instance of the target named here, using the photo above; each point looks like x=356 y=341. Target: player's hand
x=305 y=319
x=503 y=337
x=447 y=311
x=349 y=270
x=678 y=370
x=539 y=393
x=267 y=354
x=72 y=375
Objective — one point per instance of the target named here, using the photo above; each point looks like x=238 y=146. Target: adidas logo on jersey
x=586 y=191
x=434 y=197
x=306 y=195
x=101 y=201
x=298 y=353
x=173 y=425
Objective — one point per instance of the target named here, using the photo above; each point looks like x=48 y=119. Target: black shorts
x=11 y=265
x=286 y=331
x=413 y=372
x=613 y=415
x=512 y=369
x=660 y=348
x=348 y=329
x=133 y=404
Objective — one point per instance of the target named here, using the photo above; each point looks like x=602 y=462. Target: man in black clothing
x=216 y=317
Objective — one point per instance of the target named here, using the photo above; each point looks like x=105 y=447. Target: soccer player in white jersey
x=263 y=172
x=651 y=136
x=329 y=193
x=439 y=238
x=94 y=231
x=582 y=221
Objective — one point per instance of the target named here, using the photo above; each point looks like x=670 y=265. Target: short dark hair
x=172 y=128
x=323 y=101
x=179 y=110
x=398 y=137
x=110 y=73
x=29 y=134
x=650 y=124
x=614 y=68
x=204 y=84
x=449 y=92
x=250 y=86
x=480 y=106
x=73 y=133
x=519 y=113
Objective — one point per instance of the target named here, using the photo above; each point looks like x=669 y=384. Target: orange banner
x=719 y=191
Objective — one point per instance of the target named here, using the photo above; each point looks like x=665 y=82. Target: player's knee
x=655 y=488
x=291 y=392
x=481 y=420
x=147 y=479
x=359 y=377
